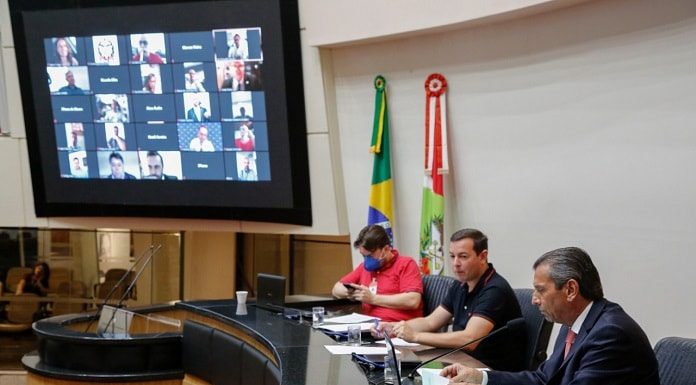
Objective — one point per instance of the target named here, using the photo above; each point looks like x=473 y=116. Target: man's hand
x=381 y=328
x=362 y=294
x=458 y=373
x=405 y=332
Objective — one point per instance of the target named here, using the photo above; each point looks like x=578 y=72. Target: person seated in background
x=35 y=282
x=598 y=343
x=388 y=284
x=481 y=302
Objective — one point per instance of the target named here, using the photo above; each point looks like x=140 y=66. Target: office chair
x=538 y=330
x=676 y=359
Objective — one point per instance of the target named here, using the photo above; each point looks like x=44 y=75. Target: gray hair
x=573 y=263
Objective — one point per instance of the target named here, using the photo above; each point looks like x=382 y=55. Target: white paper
x=432 y=377
x=367 y=350
x=355 y=318
x=344 y=327
x=399 y=342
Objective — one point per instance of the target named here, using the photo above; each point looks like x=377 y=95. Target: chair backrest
x=435 y=288
x=73 y=289
x=538 y=329
x=676 y=359
x=59 y=275
x=111 y=278
x=14 y=275
x=20 y=312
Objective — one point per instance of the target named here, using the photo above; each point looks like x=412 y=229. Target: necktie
x=570 y=338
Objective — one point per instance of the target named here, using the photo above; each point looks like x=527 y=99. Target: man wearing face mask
x=389 y=285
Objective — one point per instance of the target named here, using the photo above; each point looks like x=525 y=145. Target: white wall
x=573 y=127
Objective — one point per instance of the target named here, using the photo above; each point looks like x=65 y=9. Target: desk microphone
x=150 y=251
x=515 y=324
x=153 y=250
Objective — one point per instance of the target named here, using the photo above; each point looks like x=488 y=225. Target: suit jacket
x=610 y=349
x=191 y=114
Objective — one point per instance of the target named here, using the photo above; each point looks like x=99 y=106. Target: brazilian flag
x=380 y=212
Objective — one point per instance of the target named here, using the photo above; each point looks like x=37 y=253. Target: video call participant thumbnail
x=148 y=48
x=203 y=165
x=237 y=75
x=191 y=47
x=240 y=136
x=201 y=142
x=112 y=108
x=68 y=80
x=117 y=167
x=106 y=50
x=71 y=108
x=194 y=77
x=239 y=43
x=157 y=136
x=116 y=137
x=153 y=165
x=78 y=165
x=64 y=51
x=149 y=108
x=110 y=79
x=75 y=136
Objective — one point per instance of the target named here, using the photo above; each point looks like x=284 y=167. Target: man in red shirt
x=389 y=285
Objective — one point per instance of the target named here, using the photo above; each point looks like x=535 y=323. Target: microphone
x=141 y=269
x=513 y=325
x=148 y=251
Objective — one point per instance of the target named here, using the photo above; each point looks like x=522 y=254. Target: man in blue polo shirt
x=479 y=303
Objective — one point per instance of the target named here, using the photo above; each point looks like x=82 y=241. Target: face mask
x=371 y=263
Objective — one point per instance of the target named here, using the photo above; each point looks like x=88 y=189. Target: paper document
x=432 y=377
x=398 y=342
x=367 y=350
x=344 y=327
x=354 y=318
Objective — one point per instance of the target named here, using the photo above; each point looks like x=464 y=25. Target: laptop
x=270 y=291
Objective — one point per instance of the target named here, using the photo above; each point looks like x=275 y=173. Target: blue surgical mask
x=371 y=263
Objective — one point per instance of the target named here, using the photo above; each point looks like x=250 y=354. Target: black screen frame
x=284 y=199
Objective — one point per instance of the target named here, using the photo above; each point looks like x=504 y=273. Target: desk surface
x=297 y=347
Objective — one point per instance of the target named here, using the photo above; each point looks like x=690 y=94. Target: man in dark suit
x=598 y=344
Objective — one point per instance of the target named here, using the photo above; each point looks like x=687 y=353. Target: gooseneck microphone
x=127 y=292
x=513 y=325
x=149 y=252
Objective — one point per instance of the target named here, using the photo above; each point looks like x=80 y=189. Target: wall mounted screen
x=164 y=108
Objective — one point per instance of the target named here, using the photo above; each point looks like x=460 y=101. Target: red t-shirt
x=400 y=276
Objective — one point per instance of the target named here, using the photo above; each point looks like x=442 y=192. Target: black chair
x=676 y=358
x=538 y=330
x=435 y=288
